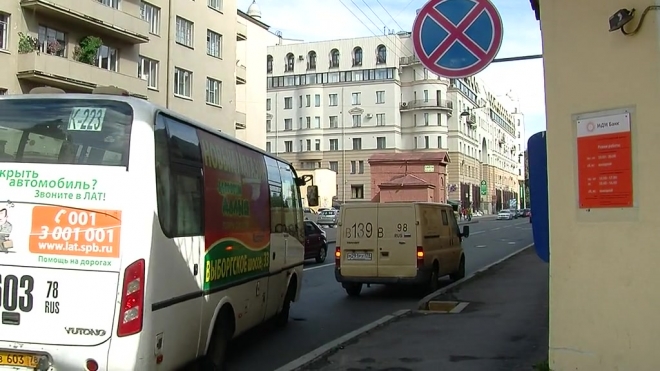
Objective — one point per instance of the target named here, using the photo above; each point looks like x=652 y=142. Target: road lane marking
x=477 y=232
x=495 y=229
x=317 y=267
x=481 y=246
x=512 y=243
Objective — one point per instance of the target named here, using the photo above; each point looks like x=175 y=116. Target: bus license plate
x=18 y=359
x=360 y=256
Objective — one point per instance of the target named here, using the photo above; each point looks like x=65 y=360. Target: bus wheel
x=282 y=318
x=216 y=357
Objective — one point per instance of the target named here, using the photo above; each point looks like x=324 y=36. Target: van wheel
x=460 y=273
x=353 y=289
x=433 y=284
x=282 y=318
x=323 y=253
x=216 y=357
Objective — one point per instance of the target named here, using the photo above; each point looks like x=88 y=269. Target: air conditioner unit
x=301 y=58
x=369 y=115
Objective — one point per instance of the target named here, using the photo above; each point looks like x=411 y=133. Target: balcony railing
x=241 y=31
x=240 y=120
x=404 y=61
x=428 y=104
x=241 y=74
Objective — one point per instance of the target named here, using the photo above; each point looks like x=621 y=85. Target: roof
x=439 y=156
x=536 y=7
x=406 y=180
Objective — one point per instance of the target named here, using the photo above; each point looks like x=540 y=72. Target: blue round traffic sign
x=457 y=38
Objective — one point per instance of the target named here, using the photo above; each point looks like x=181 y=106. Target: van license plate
x=19 y=359
x=360 y=256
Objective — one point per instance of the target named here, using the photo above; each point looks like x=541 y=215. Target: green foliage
x=87 y=49
x=27 y=43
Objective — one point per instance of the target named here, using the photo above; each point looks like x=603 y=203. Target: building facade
x=179 y=54
x=336 y=103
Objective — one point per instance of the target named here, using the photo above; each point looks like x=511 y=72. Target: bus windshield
x=65 y=131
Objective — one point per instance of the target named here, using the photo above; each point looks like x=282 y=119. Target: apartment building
x=333 y=104
x=250 y=55
x=179 y=54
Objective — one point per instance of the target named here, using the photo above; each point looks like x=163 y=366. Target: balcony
x=241 y=31
x=241 y=74
x=407 y=61
x=69 y=75
x=442 y=104
x=240 y=120
x=100 y=19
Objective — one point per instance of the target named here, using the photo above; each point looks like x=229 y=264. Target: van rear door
x=397 y=243
x=359 y=234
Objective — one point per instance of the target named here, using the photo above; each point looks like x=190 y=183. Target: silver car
x=505 y=215
x=328 y=217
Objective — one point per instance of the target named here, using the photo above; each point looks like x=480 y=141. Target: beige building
x=180 y=54
x=604 y=275
x=333 y=104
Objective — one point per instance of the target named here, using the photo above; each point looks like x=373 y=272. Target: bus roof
x=141 y=106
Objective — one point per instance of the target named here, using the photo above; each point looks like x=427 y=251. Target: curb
x=324 y=349
x=421 y=305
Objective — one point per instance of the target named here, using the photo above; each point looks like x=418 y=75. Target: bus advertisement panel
x=237 y=216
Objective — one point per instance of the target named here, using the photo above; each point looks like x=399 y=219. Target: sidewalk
x=503 y=328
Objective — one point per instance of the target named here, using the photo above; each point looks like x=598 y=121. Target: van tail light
x=337 y=256
x=420 y=257
x=132 y=300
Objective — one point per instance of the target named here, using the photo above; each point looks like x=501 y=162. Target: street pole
x=343 y=149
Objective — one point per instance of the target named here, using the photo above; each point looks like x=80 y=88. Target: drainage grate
x=450 y=307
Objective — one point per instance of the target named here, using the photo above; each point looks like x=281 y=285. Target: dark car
x=519 y=213
x=316 y=242
x=526 y=213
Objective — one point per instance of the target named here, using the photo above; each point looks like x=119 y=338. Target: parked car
x=526 y=213
x=505 y=215
x=316 y=242
x=518 y=213
x=328 y=217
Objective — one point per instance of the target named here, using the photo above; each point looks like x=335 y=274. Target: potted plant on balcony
x=54 y=47
x=87 y=49
x=27 y=43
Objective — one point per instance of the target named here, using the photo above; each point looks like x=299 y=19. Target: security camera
x=621 y=18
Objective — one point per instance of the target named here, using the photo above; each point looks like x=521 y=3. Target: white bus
x=133 y=238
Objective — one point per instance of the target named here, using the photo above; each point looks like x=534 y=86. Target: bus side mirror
x=312 y=195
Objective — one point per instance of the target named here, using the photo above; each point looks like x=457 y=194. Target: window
x=426 y=119
x=357 y=191
x=308 y=143
x=317 y=144
x=381 y=56
x=380 y=119
x=269 y=147
x=332 y=100
x=213 y=44
x=290 y=208
x=4 y=31
x=300 y=101
x=288 y=102
x=357 y=121
x=355 y=99
x=334 y=122
x=288 y=124
x=439 y=142
x=290 y=61
x=148 y=71
x=426 y=142
x=357 y=56
x=269 y=64
x=334 y=144
x=52 y=41
x=300 y=145
x=381 y=143
x=215 y=4
x=182 y=82
x=269 y=124
x=334 y=58
x=334 y=166
x=311 y=60
x=107 y=58
x=308 y=100
x=25 y=138
x=360 y=167
x=268 y=103
x=357 y=143
x=288 y=146
x=308 y=122
x=151 y=14
x=317 y=100
x=213 y=91
x=426 y=96
x=380 y=97
x=317 y=122
x=353 y=167
x=184 y=32
x=179 y=182
x=110 y=3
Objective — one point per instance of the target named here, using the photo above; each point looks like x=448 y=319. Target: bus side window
x=179 y=178
x=292 y=207
x=275 y=187
x=453 y=224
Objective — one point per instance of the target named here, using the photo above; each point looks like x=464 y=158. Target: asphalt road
x=325 y=312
